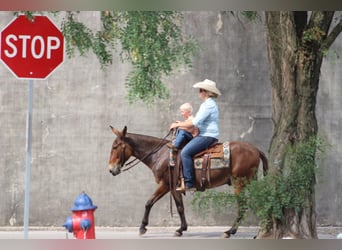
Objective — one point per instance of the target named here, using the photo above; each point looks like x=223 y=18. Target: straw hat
x=208 y=85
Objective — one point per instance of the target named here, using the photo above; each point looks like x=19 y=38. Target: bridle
x=135 y=161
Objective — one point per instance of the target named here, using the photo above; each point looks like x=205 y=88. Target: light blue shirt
x=207 y=119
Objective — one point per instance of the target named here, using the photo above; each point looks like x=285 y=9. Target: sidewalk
x=209 y=232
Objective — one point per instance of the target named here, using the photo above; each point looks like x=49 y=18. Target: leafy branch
x=151 y=41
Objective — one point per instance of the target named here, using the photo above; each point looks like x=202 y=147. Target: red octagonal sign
x=32 y=48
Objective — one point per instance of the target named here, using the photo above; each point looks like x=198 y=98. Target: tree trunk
x=294 y=50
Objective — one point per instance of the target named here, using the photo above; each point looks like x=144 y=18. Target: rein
x=153 y=151
x=131 y=164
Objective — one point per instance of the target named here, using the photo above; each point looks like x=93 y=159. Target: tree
x=297 y=42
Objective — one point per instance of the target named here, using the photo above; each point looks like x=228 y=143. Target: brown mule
x=153 y=152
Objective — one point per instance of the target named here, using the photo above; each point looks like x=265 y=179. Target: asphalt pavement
x=209 y=232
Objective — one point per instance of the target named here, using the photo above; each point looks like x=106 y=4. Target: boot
x=181 y=188
x=171 y=146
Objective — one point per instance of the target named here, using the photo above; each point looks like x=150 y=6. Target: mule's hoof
x=142 y=231
x=178 y=234
x=225 y=235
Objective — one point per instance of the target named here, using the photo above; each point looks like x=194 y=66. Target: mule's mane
x=144 y=144
x=142 y=141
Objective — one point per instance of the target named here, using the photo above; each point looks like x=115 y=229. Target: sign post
x=31 y=49
x=28 y=158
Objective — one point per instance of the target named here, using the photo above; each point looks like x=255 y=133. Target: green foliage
x=252 y=15
x=332 y=55
x=78 y=36
x=29 y=14
x=153 y=43
x=275 y=193
x=313 y=34
x=211 y=199
x=289 y=188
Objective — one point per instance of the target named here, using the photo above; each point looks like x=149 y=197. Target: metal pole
x=28 y=158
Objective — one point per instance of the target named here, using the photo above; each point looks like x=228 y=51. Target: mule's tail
x=264 y=162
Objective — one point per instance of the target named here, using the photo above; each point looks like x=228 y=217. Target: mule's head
x=119 y=153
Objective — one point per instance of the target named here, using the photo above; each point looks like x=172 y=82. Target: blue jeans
x=196 y=145
x=182 y=136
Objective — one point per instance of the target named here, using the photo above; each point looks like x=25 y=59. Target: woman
x=207 y=121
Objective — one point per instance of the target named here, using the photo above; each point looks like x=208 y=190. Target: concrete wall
x=329 y=115
x=74 y=107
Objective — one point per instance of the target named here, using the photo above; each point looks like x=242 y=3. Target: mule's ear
x=115 y=131
x=124 y=131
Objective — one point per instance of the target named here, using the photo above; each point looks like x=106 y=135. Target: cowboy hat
x=208 y=85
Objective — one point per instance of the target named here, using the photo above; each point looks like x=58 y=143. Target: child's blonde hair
x=186 y=106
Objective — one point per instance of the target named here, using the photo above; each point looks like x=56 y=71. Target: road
x=152 y=233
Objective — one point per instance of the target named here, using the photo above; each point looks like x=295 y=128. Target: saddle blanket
x=219 y=156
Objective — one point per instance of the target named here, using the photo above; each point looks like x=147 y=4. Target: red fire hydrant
x=82 y=222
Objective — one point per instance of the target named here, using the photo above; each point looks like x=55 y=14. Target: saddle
x=215 y=157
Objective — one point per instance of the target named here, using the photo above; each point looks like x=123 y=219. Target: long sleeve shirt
x=207 y=119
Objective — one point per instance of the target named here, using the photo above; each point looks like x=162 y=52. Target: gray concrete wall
x=329 y=115
x=74 y=107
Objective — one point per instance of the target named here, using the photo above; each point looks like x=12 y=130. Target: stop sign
x=32 y=48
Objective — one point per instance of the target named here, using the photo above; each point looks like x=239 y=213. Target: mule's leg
x=238 y=184
x=159 y=193
x=177 y=196
x=241 y=212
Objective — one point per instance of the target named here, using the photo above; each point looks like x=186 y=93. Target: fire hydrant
x=82 y=223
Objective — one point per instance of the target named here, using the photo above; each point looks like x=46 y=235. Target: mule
x=153 y=152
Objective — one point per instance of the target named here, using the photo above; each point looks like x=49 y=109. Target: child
x=184 y=134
